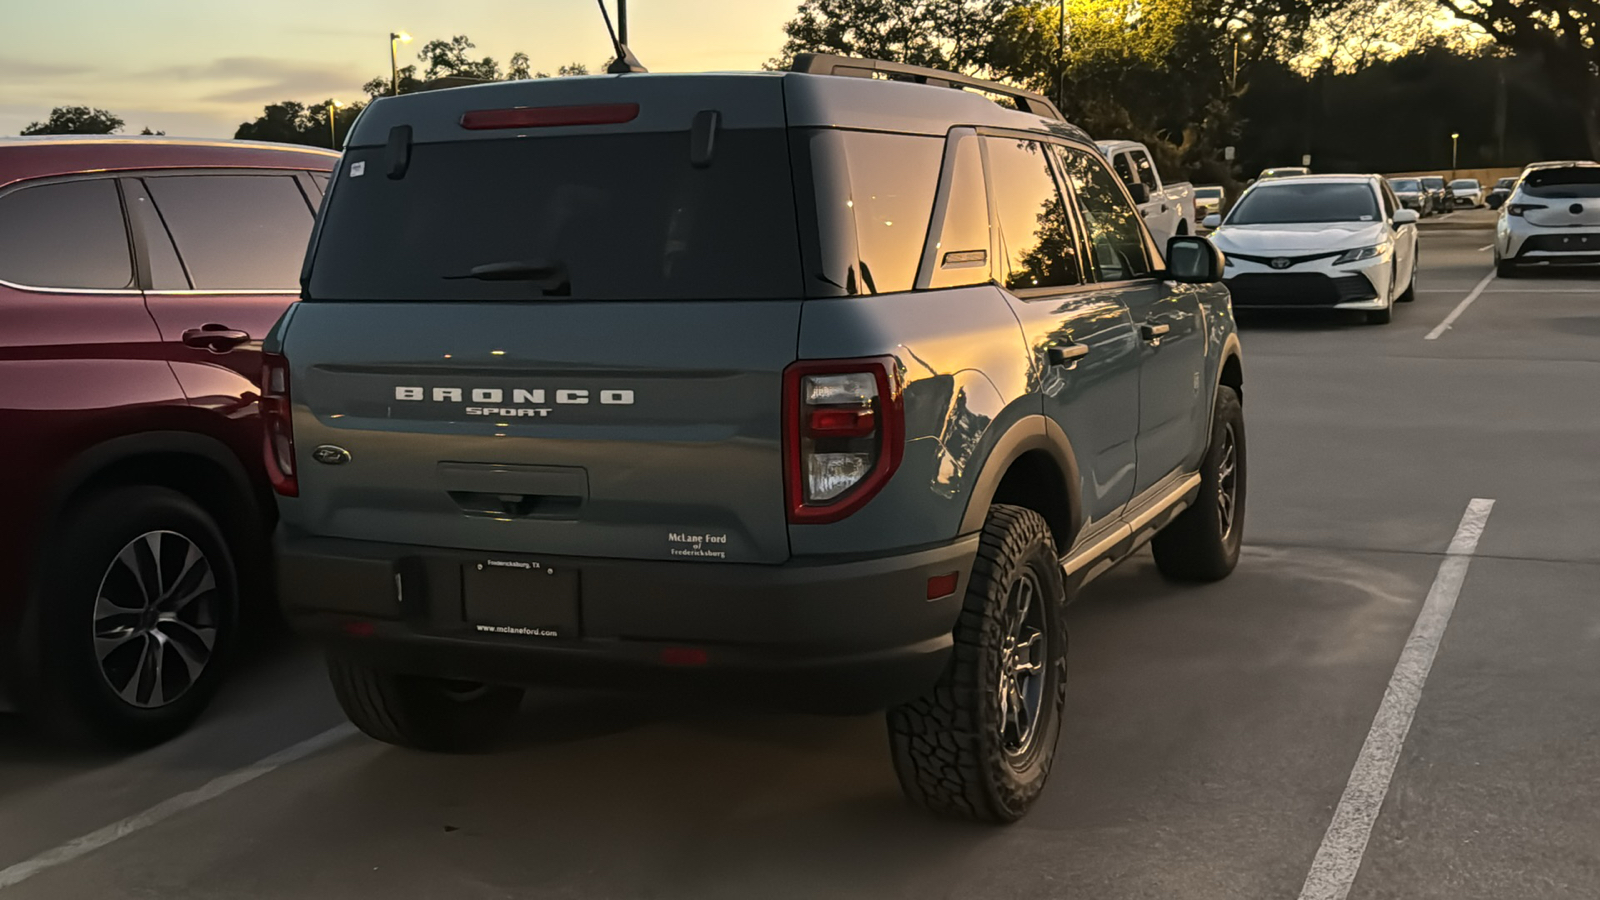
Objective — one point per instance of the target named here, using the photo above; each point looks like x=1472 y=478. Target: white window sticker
x=358 y=169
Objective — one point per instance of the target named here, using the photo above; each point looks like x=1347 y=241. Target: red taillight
x=844 y=435
x=1519 y=209
x=684 y=656
x=277 y=426
x=550 y=116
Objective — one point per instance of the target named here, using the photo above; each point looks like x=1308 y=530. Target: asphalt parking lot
x=1210 y=735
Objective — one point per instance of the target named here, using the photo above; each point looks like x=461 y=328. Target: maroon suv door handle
x=216 y=338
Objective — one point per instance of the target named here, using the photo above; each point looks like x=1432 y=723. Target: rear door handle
x=216 y=338
x=1150 y=331
x=1065 y=354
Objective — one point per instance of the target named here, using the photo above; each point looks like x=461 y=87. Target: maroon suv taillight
x=277 y=425
x=843 y=434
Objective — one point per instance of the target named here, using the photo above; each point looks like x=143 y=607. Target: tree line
x=323 y=123
x=1371 y=85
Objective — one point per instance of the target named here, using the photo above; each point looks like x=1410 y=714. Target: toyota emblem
x=1280 y=263
x=1575 y=208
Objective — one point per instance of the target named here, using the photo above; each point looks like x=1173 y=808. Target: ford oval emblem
x=329 y=455
x=1281 y=263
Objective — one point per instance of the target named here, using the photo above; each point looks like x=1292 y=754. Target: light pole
x=1455 y=141
x=1236 y=42
x=333 y=124
x=396 y=38
x=1061 y=56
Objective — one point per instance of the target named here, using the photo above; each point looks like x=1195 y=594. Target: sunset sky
x=200 y=67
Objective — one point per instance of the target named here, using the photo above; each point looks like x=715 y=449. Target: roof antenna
x=625 y=62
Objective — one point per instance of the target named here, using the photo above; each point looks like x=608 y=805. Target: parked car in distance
x=1168 y=207
x=1552 y=218
x=1208 y=199
x=1439 y=189
x=1412 y=195
x=1502 y=190
x=1466 y=193
x=744 y=439
x=1282 y=172
x=137 y=279
x=1335 y=241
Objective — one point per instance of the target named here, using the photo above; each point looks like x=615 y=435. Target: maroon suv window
x=69 y=234
x=236 y=232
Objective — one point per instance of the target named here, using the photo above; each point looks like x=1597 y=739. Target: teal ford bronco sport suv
x=823 y=391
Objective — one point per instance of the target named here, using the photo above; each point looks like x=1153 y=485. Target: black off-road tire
x=1197 y=546
x=422 y=713
x=949 y=748
x=66 y=687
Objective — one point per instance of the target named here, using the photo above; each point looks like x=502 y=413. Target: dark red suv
x=137 y=278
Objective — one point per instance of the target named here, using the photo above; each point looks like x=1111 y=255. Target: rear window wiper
x=550 y=277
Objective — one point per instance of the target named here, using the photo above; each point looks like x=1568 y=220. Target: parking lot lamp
x=396 y=38
x=333 y=124
x=1236 y=42
x=1455 y=141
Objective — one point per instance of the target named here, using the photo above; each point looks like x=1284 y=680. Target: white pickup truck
x=1168 y=209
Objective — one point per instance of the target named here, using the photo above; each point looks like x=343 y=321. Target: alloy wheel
x=1023 y=653
x=1228 y=480
x=155 y=619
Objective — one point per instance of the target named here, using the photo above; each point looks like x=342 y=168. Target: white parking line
x=1460 y=308
x=1485 y=248
x=212 y=789
x=1334 y=869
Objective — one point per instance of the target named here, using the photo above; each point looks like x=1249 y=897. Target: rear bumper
x=835 y=635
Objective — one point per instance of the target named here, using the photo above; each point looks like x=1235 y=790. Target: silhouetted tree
x=77 y=120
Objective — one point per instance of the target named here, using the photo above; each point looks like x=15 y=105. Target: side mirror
x=1140 y=193
x=1405 y=216
x=1212 y=221
x=1193 y=260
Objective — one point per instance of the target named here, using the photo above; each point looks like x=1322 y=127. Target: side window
x=1125 y=170
x=1110 y=219
x=1147 y=172
x=236 y=232
x=961 y=254
x=1389 y=204
x=893 y=178
x=65 y=235
x=321 y=178
x=1033 y=219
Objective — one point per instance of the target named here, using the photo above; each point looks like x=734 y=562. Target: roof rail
x=830 y=64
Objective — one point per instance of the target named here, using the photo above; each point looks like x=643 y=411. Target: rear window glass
x=590 y=217
x=1576 y=182
x=893 y=178
x=65 y=235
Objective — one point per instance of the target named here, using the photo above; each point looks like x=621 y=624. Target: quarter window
x=893 y=178
x=1040 y=249
x=65 y=235
x=236 y=232
x=1111 y=221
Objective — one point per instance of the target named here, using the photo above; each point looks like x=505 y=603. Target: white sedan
x=1552 y=218
x=1330 y=241
x=1467 y=192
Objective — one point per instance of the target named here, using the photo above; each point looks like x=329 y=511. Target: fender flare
x=106 y=454
x=1029 y=434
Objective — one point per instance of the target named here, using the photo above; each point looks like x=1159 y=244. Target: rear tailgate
x=627 y=430
x=553 y=318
